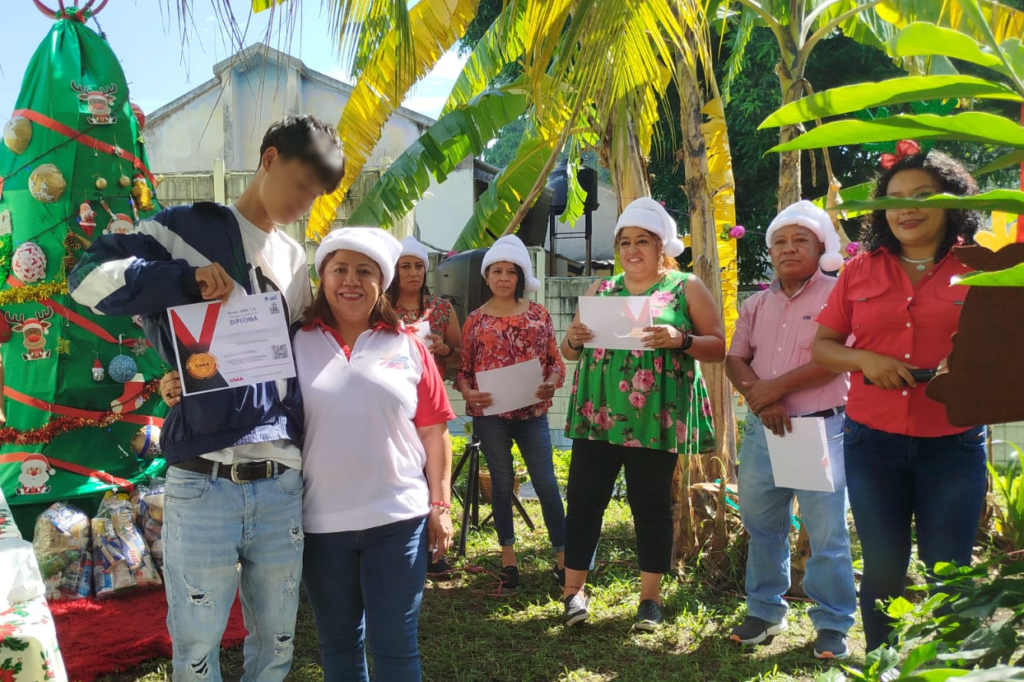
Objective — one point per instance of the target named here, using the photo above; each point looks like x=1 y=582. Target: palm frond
x=458 y=134
x=436 y=25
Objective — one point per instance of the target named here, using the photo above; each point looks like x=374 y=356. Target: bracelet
x=441 y=505
x=575 y=349
x=449 y=353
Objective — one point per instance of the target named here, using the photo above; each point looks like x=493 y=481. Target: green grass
x=467 y=634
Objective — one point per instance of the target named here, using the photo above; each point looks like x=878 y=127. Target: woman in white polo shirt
x=376 y=418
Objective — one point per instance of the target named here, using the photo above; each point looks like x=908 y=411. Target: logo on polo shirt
x=396 y=362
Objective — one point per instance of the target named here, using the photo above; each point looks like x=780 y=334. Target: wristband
x=441 y=505
x=575 y=349
x=687 y=341
x=449 y=353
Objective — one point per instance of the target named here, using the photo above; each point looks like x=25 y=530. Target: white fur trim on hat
x=374 y=242
x=512 y=250
x=650 y=215
x=806 y=214
x=412 y=247
x=38 y=457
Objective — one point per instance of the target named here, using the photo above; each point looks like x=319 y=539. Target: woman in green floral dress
x=638 y=409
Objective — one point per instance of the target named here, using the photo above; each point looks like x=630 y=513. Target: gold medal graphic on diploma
x=201 y=365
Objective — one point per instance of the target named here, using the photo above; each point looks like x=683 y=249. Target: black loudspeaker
x=458 y=279
x=558 y=182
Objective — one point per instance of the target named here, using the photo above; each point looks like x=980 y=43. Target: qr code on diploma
x=280 y=351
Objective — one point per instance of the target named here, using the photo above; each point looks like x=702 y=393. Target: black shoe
x=649 y=616
x=559 y=574
x=755 y=630
x=440 y=570
x=575 y=609
x=510 y=577
x=831 y=644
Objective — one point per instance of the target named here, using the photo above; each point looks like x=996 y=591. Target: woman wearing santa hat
x=376 y=461
x=638 y=409
x=414 y=304
x=505 y=331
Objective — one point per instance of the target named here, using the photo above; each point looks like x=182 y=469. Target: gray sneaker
x=575 y=609
x=831 y=644
x=754 y=630
x=649 y=616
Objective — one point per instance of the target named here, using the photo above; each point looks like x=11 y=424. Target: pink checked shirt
x=776 y=332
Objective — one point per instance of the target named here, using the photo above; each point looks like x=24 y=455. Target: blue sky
x=158 y=67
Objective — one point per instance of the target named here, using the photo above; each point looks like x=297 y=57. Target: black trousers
x=592 y=472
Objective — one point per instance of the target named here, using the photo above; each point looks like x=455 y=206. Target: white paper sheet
x=422 y=327
x=511 y=387
x=616 y=321
x=800 y=459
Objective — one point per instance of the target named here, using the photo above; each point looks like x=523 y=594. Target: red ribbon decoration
x=92 y=142
x=75 y=318
x=17 y=457
x=53 y=408
x=904 y=148
x=205 y=334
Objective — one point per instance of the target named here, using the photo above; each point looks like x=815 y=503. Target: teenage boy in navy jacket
x=233 y=495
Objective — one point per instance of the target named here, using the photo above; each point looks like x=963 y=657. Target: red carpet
x=115 y=635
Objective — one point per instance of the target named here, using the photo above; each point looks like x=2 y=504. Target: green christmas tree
x=83 y=413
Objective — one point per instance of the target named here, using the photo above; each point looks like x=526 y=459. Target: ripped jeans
x=220 y=538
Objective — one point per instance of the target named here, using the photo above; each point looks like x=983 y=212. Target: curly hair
x=952 y=177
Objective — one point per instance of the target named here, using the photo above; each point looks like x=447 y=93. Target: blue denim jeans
x=534 y=440
x=935 y=484
x=766 y=512
x=368 y=585
x=211 y=528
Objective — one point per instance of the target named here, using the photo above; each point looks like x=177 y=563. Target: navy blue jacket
x=151 y=270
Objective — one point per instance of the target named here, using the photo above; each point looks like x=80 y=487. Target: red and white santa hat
x=37 y=457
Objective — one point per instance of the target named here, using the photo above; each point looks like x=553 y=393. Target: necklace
x=920 y=263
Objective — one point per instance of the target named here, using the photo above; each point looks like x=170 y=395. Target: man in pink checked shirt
x=769 y=362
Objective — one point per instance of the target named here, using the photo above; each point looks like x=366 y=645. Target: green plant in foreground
x=970 y=631
x=1010 y=487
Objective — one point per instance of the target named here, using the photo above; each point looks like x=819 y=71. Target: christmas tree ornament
x=140 y=116
x=140 y=347
x=5 y=223
x=120 y=223
x=29 y=263
x=101 y=183
x=124 y=181
x=142 y=194
x=87 y=218
x=146 y=442
x=98 y=373
x=99 y=100
x=47 y=183
x=122 y=368
x=34 y=331
x=18 y=134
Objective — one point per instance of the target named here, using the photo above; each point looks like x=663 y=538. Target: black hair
x=395 y=288
x=520 y=281
x=310 y=141
x=952 y=177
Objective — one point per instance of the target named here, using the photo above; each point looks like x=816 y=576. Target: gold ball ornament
x=124 y=181
x=47 y=183
x=101 y=183
x=18 y=134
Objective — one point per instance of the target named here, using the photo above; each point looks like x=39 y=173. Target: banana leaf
x=1006 y=200
x=853 y=98
x=463 y=132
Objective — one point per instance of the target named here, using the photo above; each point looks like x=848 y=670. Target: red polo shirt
x=875 y=302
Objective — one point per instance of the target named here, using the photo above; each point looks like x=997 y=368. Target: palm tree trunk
x=704 y=238
x=791 y=73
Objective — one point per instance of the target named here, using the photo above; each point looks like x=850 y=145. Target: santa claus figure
x=35 y=474
x=120 y=223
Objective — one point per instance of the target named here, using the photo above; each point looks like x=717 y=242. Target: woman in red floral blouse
x=505 y=331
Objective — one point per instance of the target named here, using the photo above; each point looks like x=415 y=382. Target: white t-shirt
x=362 y=456
x=277 y=262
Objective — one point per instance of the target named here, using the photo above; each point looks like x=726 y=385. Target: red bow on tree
x=904 y=148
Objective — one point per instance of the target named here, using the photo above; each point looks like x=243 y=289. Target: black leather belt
x=831 y=412
x=239 y=472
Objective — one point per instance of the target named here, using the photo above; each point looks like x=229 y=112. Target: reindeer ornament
x=34 y=330
x=99 y=100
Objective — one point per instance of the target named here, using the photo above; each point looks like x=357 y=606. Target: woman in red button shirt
x=905 y=463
